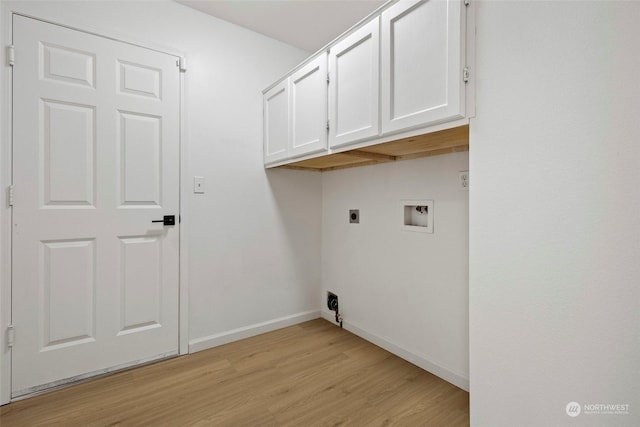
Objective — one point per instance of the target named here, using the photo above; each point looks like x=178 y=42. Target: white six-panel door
x=96 y=151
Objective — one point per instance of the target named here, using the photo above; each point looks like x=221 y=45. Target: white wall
x=406 y=291
x=554 y=210
x=254 y=237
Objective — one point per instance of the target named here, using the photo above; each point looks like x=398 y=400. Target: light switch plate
x=198 y=184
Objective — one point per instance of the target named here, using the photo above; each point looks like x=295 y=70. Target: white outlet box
x=198 y=184
x=463 y=180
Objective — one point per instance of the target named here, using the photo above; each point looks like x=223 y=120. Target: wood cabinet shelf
x=430 y=144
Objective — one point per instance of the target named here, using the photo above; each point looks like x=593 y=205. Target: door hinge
x=466 y=73
x=327 y=125
x=10 y=195
x=11 y=336
x=181 y=63
x=11 y=55
x=328 y=78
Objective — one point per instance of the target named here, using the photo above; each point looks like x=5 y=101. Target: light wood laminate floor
x=311 y=374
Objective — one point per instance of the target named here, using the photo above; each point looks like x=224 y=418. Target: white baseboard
x=210 y=341
x=447 y=375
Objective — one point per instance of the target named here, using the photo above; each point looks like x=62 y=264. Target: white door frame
x=6 y=172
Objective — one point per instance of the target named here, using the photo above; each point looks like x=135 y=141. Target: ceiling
x=307 y=24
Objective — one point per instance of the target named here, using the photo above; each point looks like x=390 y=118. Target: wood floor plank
x=311 y=374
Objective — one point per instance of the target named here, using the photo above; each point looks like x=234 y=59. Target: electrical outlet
x=332 y=301
x=464 y=180
x=354 y=216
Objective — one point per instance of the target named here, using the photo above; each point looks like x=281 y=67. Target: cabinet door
x=276 y=123
x=422 y=60
x=309 y=108
x=354 y=86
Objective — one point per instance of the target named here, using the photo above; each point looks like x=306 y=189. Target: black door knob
x=167 y=220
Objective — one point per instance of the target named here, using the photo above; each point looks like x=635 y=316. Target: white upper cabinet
x=354 y=65
x=400 y=73
x=308 y=115
x=422 y=61
x=276 y=123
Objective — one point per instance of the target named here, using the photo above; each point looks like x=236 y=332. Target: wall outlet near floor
x=332 y=301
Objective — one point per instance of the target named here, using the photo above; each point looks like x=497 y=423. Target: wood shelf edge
x=446 y=141
x=363 y=153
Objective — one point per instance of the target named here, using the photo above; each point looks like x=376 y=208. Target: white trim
x=76 y=23
x=185 y=192
x=6 y=173
x=454 y=378
x=470 y=62
x=251 y=331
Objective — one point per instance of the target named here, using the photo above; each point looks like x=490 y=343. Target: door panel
x=69 y=279
x=96 y=149
x=309 y=108
x=68 y=154
x=141 y=266
x=276 y=123
x=353 y=86
x=422 y=48
x=140 y=149
x=418 y=66
x=68 y=65
x=139 y=80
